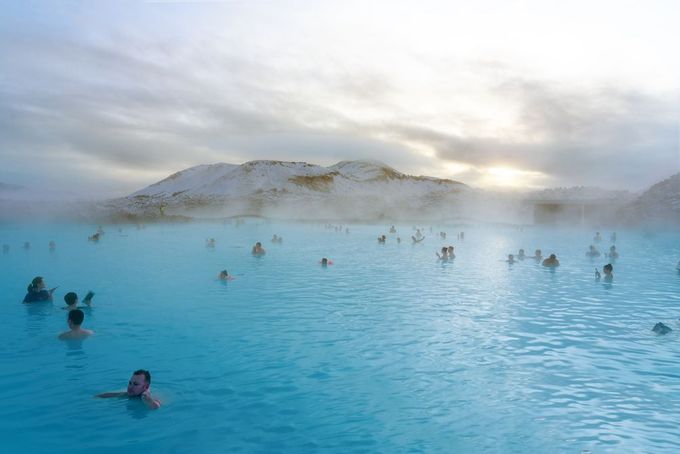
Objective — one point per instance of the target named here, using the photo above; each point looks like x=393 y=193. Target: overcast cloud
x=113 y=100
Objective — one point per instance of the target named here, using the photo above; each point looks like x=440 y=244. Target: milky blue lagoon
x=386 y=350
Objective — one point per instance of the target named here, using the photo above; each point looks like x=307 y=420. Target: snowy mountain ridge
x=256 y=177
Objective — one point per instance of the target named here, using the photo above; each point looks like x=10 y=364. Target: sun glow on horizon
x=510 y=178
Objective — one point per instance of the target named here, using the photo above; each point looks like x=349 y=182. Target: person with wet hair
x=75 y=319
x=36 y=291
x=71 y=300
x=138 y=386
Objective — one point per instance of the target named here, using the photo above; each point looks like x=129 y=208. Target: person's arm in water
x=115 y=394
x=150 y=402
x=88 y=298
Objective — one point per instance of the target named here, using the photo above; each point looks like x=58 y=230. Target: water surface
x=386 y=350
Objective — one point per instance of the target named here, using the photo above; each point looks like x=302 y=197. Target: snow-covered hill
x=351 y=189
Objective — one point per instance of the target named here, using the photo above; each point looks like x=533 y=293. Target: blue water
x=387 y=350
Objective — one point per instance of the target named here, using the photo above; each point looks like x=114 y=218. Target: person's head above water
x=608 y=268
x=71 y=298
x=75 y=318
x=37 y=284
x=324 y=261
x=139 y=382
x=553 y=257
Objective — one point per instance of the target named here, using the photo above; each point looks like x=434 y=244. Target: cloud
x=141 y=105
x=596 y=136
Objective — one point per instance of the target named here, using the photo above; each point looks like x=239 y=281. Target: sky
x=104 y=98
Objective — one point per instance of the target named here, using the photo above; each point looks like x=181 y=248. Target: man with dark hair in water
x=138 y=386
x=74 y=320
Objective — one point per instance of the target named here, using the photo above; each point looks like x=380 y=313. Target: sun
x=510 y=178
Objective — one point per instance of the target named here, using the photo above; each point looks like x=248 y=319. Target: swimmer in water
x=613 y=254
x=551 y=261
x=381 y=239
x=537 y=255
x=521 y=255
x=511 y=259
x=71 y=300
x=597 y=238
x=224 y=276
x=398 y=239
x=258 y=250
x=210 y=242
x=325 y=262
x=451 y=254
x=94 y=238
x=138 y=386
x=417 y=240
x=53 y=245
x=592 y=252
x=607 y=271
x=393 y=230
x=36 y=291
x=444 y=256
x=74 y=320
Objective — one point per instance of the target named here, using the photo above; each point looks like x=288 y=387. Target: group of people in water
x=37 y=292
x=140 y=381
